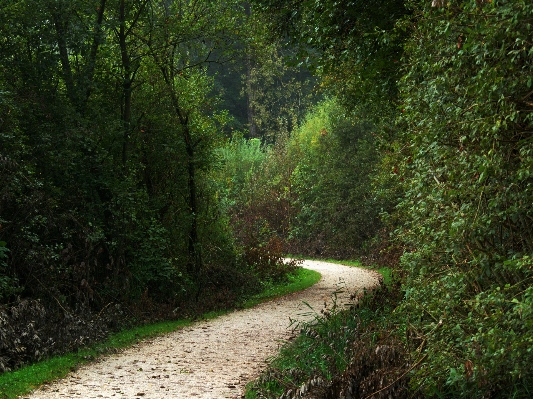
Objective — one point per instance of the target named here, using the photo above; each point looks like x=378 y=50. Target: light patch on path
x=211 y=359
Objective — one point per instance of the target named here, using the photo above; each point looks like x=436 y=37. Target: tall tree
x=180 y=52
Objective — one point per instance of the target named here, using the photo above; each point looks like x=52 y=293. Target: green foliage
x=110 y=129
x=332 y=181
x=314 y=187
x=253 y=181
x=351 y=44
x=459 y=160
x=279 y=95
x=310 y=355
x=265 y=96
x=267 y=261
x=98 y=173
x=467 y=209
x=241 y=161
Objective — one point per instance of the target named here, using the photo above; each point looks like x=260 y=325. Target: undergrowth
x=19 y=382
x=342 y=353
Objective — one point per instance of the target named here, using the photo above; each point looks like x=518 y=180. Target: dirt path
x=212 y=359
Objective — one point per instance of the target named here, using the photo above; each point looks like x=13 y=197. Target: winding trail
x=211 y=359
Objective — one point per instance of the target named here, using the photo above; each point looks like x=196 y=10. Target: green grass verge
x=22 y=381
x=318 y=351
x=323 y=352
x=324 y=349
x=303 y=279
x=386 y=272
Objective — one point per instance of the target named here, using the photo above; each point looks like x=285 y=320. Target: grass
x=303 y=279
x=321 y=350
x=386 y=272
x=22 y=381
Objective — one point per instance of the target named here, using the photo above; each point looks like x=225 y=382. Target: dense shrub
x=467 y=213
x=336 y=211
x=108 y=142
x=31 y=330
x=462 y=168
x=267 y=261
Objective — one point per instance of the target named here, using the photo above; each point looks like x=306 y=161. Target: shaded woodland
x=157 y=158
x=112 y=117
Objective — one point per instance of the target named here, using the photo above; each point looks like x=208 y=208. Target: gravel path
x=211 y=359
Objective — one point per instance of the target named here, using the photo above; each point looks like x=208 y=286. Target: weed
x=340 y=349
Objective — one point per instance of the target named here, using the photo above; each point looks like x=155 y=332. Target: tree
x=352 y=44
x=179 y=51
x=86 y=160
x=337 y=213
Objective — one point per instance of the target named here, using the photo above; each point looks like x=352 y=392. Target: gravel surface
x=211 y=359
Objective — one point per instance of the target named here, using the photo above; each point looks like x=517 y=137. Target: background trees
x=337 y=214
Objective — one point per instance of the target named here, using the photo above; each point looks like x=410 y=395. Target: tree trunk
x=78 y=91
x=250 y=98
x=195 y=260
x=126 y=84
x=61 y=31
x=97 y=40
x=250 y=101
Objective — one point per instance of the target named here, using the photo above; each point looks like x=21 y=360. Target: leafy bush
x=31 y=331
x=267 y=263
x=336 y=212
x=467 y=210
x=241 y=160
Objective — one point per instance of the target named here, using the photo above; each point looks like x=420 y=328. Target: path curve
x=211 y=359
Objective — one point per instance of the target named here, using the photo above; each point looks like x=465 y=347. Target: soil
x=211 y=359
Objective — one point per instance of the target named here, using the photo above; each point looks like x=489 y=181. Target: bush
x=467 y=208
x=8 y=285
x=267 y=263
x=31 y=331
x=336 y=212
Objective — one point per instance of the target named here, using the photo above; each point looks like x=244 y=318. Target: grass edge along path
x=22 y=381
x=334 y=333
x=386 y=272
